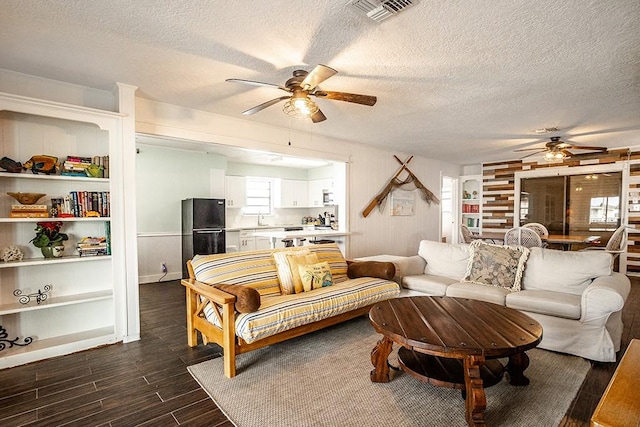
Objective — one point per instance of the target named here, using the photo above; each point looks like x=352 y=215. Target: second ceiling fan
x=558 y=150
x=302 y=85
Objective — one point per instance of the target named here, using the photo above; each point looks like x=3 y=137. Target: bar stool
x=321 y=241
x=288 y=243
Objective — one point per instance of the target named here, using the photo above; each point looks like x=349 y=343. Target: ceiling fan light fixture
x=299 y=106
x=554 y=156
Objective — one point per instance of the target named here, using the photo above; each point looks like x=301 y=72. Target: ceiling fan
x=558 y=150
x=300 y=87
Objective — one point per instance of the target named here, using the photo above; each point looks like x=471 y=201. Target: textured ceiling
x=458 y=80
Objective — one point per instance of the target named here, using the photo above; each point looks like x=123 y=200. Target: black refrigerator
x=203 y=229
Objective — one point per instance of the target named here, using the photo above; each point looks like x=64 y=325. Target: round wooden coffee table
x=454 y=342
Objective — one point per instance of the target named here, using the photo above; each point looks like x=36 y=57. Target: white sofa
x=575 y=296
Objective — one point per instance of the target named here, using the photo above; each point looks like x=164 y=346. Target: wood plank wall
x=498 y=193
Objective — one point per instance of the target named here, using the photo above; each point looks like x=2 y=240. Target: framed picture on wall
x=403 y=203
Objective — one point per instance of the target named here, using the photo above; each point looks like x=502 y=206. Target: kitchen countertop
x=259 y=227
x=317 y=234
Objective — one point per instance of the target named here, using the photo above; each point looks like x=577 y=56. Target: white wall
x=368 y=171
x=165 y=176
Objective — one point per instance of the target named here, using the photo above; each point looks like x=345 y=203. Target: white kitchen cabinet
x=291 y=193
x=247 y=241
x=232 y=241
x=86 y=306
x=263 y=243
x=315 y=193
x=235 y=191
x=316 y=189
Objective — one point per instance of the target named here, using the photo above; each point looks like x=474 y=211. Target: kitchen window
x=259 y=196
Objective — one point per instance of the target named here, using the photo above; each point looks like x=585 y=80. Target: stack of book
x=78 y=165
x=75 y=166
x=92 y=246
x=29 y=211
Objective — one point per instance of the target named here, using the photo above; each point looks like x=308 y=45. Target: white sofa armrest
x=411 y=265
x=405 y=265
x=605 y=295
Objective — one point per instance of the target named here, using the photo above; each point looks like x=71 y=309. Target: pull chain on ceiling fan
x=301 y=86
x=556 y=149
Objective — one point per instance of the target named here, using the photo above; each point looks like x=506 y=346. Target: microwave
x=327 y=197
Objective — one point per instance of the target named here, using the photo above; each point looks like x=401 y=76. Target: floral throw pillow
x=495 y=265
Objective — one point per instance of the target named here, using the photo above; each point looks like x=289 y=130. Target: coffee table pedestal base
x=471 y=375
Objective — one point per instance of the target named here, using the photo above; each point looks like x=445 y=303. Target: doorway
x=447 y=214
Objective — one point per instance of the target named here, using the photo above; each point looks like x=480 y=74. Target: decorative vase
x=52 y=251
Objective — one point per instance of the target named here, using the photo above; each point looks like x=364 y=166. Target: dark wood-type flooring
x=146 y=383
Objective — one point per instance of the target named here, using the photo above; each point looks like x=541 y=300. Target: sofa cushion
x=558 y=304
x=430 y=284
x=284 y=312
x=330 y=252
x=444 y=259
x=564 y=271
x=285 y=276
x=496 y=265
x=255 y=269
x=494 y=294
x=315 y=276
x=295 y=260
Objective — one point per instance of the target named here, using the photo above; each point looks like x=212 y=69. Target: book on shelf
x=25 y=214
x=107 y=235
x=30 y=208
x=83 y=203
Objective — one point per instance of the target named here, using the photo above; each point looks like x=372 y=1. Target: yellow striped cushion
x=330 y=252
x=254 y=269
x=285 y=275
x=284 y=312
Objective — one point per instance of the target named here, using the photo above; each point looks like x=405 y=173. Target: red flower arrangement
x=48 y=234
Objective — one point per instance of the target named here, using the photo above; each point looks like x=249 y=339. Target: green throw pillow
x=315 y=276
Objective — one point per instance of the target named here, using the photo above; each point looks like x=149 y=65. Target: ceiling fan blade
x=317 y=76
x=318 y=116
x=347 y=97
x=567 y=153
x=530 y=149
x=264 y=105
x=253 y=83
x=584 y=147
x=529 y=155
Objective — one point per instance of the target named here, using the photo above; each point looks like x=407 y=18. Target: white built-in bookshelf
x=86 y=306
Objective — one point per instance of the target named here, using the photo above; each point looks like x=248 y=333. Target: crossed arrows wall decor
x=396 y=182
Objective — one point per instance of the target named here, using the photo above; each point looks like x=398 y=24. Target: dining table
x=566 y=240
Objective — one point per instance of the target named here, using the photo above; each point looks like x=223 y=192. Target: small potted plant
x=49 y=238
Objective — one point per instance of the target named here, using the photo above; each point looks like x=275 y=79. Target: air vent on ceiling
x=379 y=10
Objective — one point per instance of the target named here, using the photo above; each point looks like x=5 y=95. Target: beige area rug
x=322 y=379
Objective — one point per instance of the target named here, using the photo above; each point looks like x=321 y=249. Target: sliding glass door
x=573 y=204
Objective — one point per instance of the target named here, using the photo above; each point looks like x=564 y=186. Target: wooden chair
x=522 y=236
x=465 y=234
